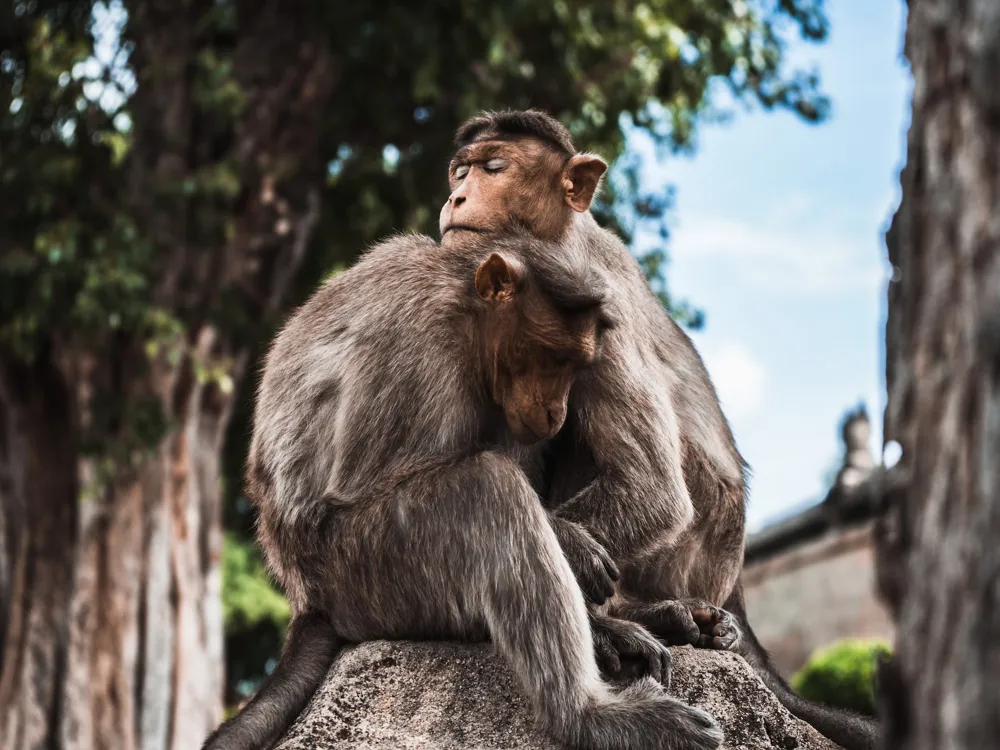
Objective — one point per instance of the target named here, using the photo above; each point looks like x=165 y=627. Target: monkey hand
x=593 y=567
x=688 y=621
x=627 y=651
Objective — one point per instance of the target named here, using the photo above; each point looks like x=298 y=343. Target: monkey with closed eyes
x=399 y=426
x=646 y=463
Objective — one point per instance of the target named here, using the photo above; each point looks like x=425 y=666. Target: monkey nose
x=457 y=201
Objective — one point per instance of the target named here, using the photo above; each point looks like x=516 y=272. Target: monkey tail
x=848 y=729
x=306 y=657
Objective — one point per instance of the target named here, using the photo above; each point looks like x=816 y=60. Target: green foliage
x=843 y=675
x=71 y=259
x=256 y=615
x=248 y=597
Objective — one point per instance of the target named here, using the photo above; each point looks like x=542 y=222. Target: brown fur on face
x=517 y=171
x=533 y=347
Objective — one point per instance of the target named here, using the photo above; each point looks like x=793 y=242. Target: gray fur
x=646 y=422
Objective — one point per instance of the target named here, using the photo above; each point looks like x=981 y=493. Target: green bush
x=842 y=674
x=256 y=616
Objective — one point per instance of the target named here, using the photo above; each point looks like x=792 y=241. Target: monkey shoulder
x=370 y=371
x=402 y=323
x=378 y=317
x=399 y=286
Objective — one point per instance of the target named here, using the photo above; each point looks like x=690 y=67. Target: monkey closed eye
x=495 y=165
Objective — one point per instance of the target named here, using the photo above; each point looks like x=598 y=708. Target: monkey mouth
x=526 y=435
x=462 y=228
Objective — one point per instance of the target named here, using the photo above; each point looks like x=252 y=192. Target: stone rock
x=453 y=696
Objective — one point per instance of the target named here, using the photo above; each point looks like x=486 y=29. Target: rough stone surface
x=401 y=695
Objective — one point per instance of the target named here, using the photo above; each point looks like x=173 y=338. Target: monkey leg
x=467 y=546
x=625 y=650
x=679 y=593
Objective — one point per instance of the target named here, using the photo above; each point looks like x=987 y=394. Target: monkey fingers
x=591 y=564
x=627 y=651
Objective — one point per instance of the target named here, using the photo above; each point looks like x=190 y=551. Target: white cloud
x=739 y=377
x=790 y=260
x=797 y=205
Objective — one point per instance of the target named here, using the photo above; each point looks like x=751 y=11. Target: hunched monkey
x=401 y=414
x=647 y=462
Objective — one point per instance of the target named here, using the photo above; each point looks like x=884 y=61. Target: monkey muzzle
x=541 y=423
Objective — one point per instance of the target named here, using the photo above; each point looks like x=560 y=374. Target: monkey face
x=519 y=182
x=534 y=348
x=538 y=369
x=496 y=184
x=534 y=401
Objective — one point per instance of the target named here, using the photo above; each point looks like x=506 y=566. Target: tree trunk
x=939 y=547
x=38 y=488
x=110 y=587
x=145 y=637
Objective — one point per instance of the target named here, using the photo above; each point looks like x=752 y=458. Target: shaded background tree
x=174 y=177
x=938 y=552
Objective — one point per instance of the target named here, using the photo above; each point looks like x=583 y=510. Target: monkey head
x=517 y=169
x=539 y=331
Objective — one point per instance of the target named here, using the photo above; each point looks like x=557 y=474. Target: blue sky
x=777 y=235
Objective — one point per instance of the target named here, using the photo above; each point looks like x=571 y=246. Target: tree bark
x=938 y=552
x=37 y=477
x=110 y=587
x=145 y=632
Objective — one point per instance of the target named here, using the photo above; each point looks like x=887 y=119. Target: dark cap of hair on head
x=568 y=279
x=513 y=122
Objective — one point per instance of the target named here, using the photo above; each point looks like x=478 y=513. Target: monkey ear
x=497 y=278
x=581 y=177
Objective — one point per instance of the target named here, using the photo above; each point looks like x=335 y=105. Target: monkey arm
x=637 y=496
x=593 y=567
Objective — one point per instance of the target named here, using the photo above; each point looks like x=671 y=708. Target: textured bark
x=145 y=637
x=37 y=477
x=112 y=587
x=939 y=557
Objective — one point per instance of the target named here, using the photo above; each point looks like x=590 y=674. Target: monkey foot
x=717 y=628
x=626 y=651
x=687 y=621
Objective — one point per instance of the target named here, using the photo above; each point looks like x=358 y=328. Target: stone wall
x=813 y=593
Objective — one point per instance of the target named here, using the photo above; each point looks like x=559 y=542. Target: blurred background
x=176 y=176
